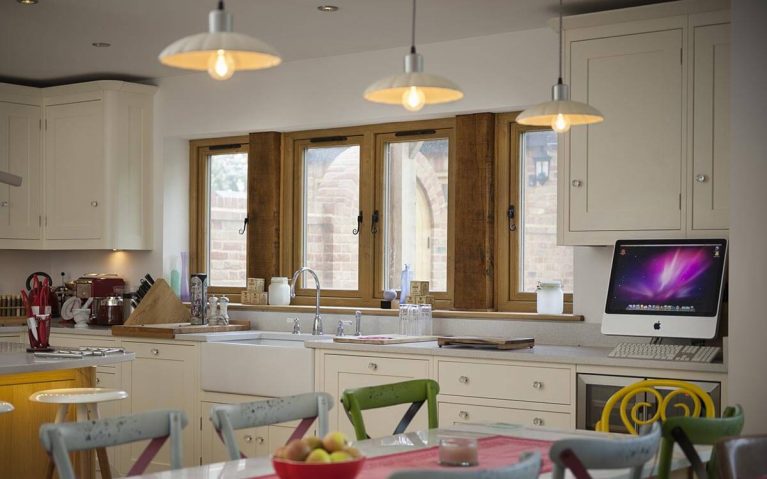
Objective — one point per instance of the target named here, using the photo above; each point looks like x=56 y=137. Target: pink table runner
x=494 y=452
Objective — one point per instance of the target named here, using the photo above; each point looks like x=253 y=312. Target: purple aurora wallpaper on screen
x=666 y=279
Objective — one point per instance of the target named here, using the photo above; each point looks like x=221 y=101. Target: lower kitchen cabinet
x=457 y=413
x=348 y=371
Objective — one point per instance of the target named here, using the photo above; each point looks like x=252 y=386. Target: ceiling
x=50 y=43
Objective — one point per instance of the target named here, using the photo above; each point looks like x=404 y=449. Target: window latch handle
x=374 y=220
x=510 y=213
x=244 y=226
x=356 y=230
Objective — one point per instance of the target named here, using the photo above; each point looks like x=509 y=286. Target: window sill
x=438 y=313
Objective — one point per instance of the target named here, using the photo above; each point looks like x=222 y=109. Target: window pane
x=331 y=206
x=227 y=209
x=540 y=257
x=415 y=196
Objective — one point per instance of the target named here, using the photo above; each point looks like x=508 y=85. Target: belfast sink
x=273 y=364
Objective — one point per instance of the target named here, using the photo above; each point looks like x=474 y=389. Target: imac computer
x=665 y=288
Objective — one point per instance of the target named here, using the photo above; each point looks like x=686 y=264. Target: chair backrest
x=227 y=418
x=742 y=456
x=528 y=467
x=417 y=392
x=701 y=401
x=630 y=452
x=62 y=438
x=702 y=431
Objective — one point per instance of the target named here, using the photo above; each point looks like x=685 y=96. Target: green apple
x=334 y=441
x=318 y=456
x=353 y=452
x=313 y=442
x=340 y=456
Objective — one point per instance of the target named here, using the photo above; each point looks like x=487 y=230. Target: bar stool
x=86 y=402
x=5 y=407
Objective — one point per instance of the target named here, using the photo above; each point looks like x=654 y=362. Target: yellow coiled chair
x=699 y=397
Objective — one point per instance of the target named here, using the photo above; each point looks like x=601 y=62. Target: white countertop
x=14 y=358
x=585 y=355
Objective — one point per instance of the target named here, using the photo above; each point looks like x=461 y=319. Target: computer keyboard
x=665 y=352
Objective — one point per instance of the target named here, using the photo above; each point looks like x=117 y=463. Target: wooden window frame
x=199 y=153
x=508 y=192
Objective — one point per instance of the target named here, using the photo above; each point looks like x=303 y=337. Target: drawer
x=450 y=413
x=159 y=351
x=372 y=365
x=502 y=381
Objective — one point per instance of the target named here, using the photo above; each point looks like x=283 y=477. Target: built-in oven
x=593 y=391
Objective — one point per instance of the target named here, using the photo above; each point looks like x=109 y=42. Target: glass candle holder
x=458 y=451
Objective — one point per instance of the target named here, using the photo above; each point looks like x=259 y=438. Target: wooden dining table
x=405 y=445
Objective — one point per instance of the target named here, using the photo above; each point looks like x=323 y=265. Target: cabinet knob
x=373 y=366
x=248 y=438
x=463 y=414
x=94 y=204
x=154 y=351
x=701 y=178
x=3 y=204
x=537 y=385
x=538 y=421
x=463 y=380
x=98 y=380
x=260 y=440
x=576 y=183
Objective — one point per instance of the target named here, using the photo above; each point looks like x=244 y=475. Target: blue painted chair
x=581 y=454
x=227 y=418
x=528 y=467
x=62 y=438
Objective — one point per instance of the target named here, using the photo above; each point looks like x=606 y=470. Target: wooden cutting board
x=170 y=330
x=383 y=339
x=480 y=342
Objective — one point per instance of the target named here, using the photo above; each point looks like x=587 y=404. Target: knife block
x=159 y=306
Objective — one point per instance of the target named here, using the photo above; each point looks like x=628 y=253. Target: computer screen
x=665 y=288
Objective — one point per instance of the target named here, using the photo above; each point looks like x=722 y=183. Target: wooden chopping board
x=481 y=342
x=383 y=339
x=170 y=330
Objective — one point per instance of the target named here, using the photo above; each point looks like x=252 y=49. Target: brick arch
x=429 y=183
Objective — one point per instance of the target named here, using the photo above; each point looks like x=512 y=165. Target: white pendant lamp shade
x=413 y=89
x=561 y=112
x=220 y=51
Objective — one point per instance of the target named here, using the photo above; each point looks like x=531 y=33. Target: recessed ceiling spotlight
x=27 y=2
x=101 y=44
x=327 y=8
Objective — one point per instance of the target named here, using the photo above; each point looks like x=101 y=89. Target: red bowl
x=287 y=469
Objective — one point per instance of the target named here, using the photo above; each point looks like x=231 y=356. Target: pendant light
x=561 y=112
x=220 y=51
x=413 y=89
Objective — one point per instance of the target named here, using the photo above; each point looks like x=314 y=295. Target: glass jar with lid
x=279 y=291
x=550 y=297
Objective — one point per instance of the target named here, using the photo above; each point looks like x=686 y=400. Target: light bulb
x=413 y=99
x=221 y=65
x=560 y=123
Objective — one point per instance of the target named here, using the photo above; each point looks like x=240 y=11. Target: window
x=220 y=181
x=527 y=216
x=366 y=201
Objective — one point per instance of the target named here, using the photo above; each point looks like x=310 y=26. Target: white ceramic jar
x=550 y=297
x=279 y=291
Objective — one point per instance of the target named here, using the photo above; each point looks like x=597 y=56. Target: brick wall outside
x=227 y=246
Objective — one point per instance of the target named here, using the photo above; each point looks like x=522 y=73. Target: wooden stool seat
x=5 y=407
x=86 y=402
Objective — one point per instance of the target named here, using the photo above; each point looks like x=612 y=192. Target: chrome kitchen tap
x=317 y=325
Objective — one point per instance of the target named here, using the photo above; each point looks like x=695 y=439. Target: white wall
x=748 y=220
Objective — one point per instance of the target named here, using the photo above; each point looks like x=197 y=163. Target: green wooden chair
x=417 y=392
x=687 y=431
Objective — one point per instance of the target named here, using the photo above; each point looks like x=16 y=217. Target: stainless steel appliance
x=594 y=390
x=105 y=289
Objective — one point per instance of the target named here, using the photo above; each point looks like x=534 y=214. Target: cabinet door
x=162 y=376
x=625 y=173
x=74 y=171
x=253 y=442
x=711 y=128
x=346 y=372
x=20 y=155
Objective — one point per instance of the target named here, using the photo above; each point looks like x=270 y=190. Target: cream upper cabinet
x=709 y=177
x=657 y=166
x=20 y=151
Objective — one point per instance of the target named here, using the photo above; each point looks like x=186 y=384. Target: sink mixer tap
x=317 y=325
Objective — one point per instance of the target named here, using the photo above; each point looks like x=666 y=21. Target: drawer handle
x=248 y=438
x=463 y=380
x=463 y=414
x=155 y=351
x=700 y=178
x=94 y=204
x=3 y=204
x=538 y=421
x=537 y=385
x=577 y=183
x=259 y=440
x=373 y=366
